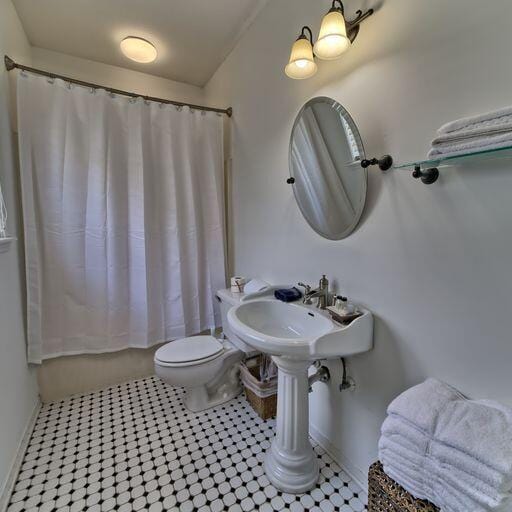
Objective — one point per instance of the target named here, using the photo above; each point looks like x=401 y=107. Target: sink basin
x=299 y=332
x=295 y=335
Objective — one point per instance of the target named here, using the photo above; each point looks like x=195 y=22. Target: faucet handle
x=306 y=287
x=307 y=290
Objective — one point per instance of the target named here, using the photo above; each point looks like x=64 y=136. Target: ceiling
x=192 y=37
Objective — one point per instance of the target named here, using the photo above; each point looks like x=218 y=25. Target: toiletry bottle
x=344 y=306
x=340 y=302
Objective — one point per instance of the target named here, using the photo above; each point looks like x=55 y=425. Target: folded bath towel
x=428 y=488
x=481 y=429
x=447 y=455
x=487 y=120
x=444 y=498
x=483 y=143
x=460 y=482
x=455 y=452
x=411 y=435
x=411 y=438
x=417 y=440
x=470 y=135
x=422 y=404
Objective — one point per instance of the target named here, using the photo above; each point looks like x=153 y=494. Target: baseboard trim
x=352 y=470
x=10 y=481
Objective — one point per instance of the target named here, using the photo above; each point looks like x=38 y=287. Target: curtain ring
x=23 y=73
x=203 y=112
x=69 y=85
x=179 y=108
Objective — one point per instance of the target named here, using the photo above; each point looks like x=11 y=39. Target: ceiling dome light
x=302 y=61
x=332 y=40
x=138 y=49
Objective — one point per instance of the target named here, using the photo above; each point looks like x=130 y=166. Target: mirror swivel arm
x=384 y=162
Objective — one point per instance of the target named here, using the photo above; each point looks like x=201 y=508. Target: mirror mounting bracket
x=384 y=162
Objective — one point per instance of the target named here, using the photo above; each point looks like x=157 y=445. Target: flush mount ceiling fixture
x=138 y=49
x=335 y=38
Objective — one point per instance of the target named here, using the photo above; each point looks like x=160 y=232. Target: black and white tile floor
x=134 y=447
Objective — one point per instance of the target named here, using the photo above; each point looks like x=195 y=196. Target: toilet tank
x=227 y=299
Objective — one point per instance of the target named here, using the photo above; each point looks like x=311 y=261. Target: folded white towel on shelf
x=484 y=143
x=471 y=134
x=487 y=120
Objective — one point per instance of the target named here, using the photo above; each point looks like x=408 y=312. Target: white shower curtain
x=123 y=215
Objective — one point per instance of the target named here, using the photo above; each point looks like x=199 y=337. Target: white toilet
x=206 y=367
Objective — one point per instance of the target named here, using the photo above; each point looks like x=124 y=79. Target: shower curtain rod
x=10 y=65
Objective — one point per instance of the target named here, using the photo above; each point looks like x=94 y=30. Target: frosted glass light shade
x=138 y=49
x=302 y=63
x=332 y=41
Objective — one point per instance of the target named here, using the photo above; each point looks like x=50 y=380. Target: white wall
x=432 y=262
x=18 y=389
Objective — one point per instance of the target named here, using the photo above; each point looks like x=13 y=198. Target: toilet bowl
x=206 y=367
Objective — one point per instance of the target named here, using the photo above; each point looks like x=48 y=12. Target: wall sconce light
x=335 y=37
x=332 y=40
x=302 y=61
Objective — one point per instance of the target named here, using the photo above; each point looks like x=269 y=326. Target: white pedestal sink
x=295 y=335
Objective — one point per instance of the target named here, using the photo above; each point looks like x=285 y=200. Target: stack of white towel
x=478 y=133
x=454 y=452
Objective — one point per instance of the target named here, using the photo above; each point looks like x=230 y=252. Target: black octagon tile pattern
x=135 y=447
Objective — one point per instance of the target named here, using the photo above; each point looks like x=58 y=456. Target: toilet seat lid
x=190 y=349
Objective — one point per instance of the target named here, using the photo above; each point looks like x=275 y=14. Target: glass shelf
x=505 y=152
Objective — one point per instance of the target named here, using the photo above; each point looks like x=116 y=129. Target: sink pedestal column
x=290 y=463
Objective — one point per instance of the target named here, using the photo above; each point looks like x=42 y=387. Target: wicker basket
x=385 y=495
x=265 y=406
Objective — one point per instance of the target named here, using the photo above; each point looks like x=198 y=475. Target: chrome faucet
x=321 y=293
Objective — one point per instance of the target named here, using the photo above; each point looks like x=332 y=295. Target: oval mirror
x=328 y=181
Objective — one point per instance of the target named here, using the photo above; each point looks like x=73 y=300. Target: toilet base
x=207 y=383
x=224 y=387
x=198 y=399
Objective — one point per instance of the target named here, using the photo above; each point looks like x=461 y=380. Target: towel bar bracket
x=427 y=176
